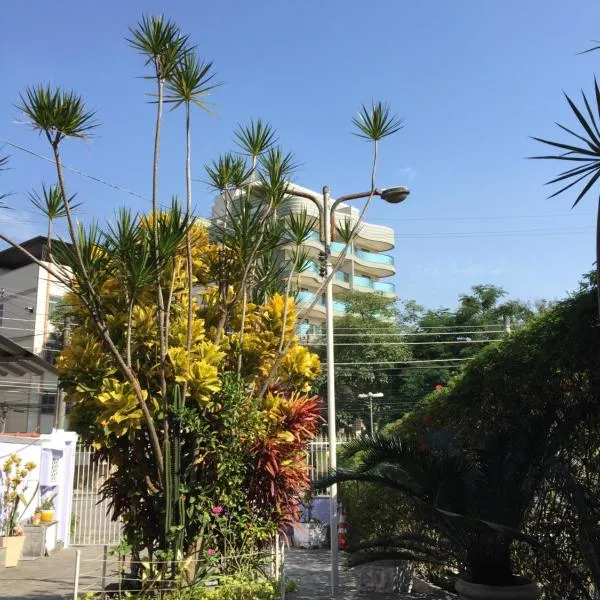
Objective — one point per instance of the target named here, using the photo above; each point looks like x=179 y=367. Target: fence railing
x=317 y=457
x=91 y=523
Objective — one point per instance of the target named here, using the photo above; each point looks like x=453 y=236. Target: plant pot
x=13 y=548
x=47 y=516
x=37 y=517
x=524 y=589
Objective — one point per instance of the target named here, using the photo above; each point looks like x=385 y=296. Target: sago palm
x=583 y=149
x=451 y=493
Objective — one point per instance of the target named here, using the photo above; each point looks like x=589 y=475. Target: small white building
x=28 y=295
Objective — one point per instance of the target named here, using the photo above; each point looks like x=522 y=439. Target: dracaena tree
x=183 y=365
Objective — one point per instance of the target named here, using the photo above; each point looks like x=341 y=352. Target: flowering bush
x=15 y=482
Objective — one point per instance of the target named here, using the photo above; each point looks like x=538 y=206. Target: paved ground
x=51 y=578
x=310 y=569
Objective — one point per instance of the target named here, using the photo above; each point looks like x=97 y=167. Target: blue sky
x=472 y=80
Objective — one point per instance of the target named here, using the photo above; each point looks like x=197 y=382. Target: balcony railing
x=375 y=257
x=359 y=281
x=386 y=288
x=308 y=298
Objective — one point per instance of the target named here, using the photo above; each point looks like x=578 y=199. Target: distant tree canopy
x=366 y=346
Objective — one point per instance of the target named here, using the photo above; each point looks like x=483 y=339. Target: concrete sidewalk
x=311 y=570
x=52 y=577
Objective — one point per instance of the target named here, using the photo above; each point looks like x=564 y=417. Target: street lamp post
x=370 y=396
x=326 y=210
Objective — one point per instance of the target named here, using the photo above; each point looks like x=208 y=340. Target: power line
x=336 y=344
x=77 y=171
x=398 y=362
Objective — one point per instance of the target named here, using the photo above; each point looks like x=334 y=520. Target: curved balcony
x=384 y=287
x=305 y=298
x=375 y=257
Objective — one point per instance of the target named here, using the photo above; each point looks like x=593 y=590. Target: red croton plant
x=280 y=473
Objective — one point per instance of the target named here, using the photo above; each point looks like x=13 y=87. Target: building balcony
x=380 y=265
x=304 y=298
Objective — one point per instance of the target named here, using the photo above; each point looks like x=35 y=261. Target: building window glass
x=48 y=403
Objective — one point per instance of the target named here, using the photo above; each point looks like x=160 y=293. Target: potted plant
x=463 y=520
x=15 y=481
x=37 y=516
x=47 y=515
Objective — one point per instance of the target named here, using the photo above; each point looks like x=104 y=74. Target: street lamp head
x=394 y=195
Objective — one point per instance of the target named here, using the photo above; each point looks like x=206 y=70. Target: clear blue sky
x=473 y=80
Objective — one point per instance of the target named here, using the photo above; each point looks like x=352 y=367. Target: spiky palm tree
x=59 y=114
x=163 y=45
x=50 y=203
x=188 y=84
x=584 y=151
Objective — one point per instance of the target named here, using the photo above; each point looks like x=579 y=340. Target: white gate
x=91 y=524
x=317 y=457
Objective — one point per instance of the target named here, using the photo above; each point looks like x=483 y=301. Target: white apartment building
x=365 y=265
x=28 y=294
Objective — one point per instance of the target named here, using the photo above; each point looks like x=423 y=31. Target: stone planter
x=525 y=589
x=13 y=548
x=383 y=577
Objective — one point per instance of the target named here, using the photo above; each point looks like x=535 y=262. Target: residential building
x=366 y=263
x=28 y=294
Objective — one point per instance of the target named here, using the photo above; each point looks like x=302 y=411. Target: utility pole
x=370 y=396
x=60 y=394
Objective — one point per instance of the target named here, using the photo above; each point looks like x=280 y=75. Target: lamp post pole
x=331 y=426
x=370 y=396
x=327 y=223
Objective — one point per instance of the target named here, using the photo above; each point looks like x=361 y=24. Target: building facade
x=28 y=295
x=366 y=265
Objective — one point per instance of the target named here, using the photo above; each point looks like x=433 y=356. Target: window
x=48 y=403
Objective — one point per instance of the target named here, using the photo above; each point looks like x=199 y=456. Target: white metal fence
x=317 y=456
x=91 y=524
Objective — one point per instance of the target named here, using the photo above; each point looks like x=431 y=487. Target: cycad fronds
x=57 y=113
x=376 y=122
x=587 y=155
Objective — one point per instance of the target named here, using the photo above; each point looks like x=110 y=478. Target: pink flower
x=211 y=552
x=217 y=510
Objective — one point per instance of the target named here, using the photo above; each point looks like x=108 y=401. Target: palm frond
x=190 y=82
x=376 y=122
x=50 y=202
x=588 y=153
x=161 y=42
x=255 y=138
x=57 y=113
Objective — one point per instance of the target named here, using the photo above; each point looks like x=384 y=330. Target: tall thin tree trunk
x=159 y=296
x=188 y=239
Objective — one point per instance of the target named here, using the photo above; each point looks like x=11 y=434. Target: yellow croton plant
x=100 y=394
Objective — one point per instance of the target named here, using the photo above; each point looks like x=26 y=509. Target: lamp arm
x=347 y=198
